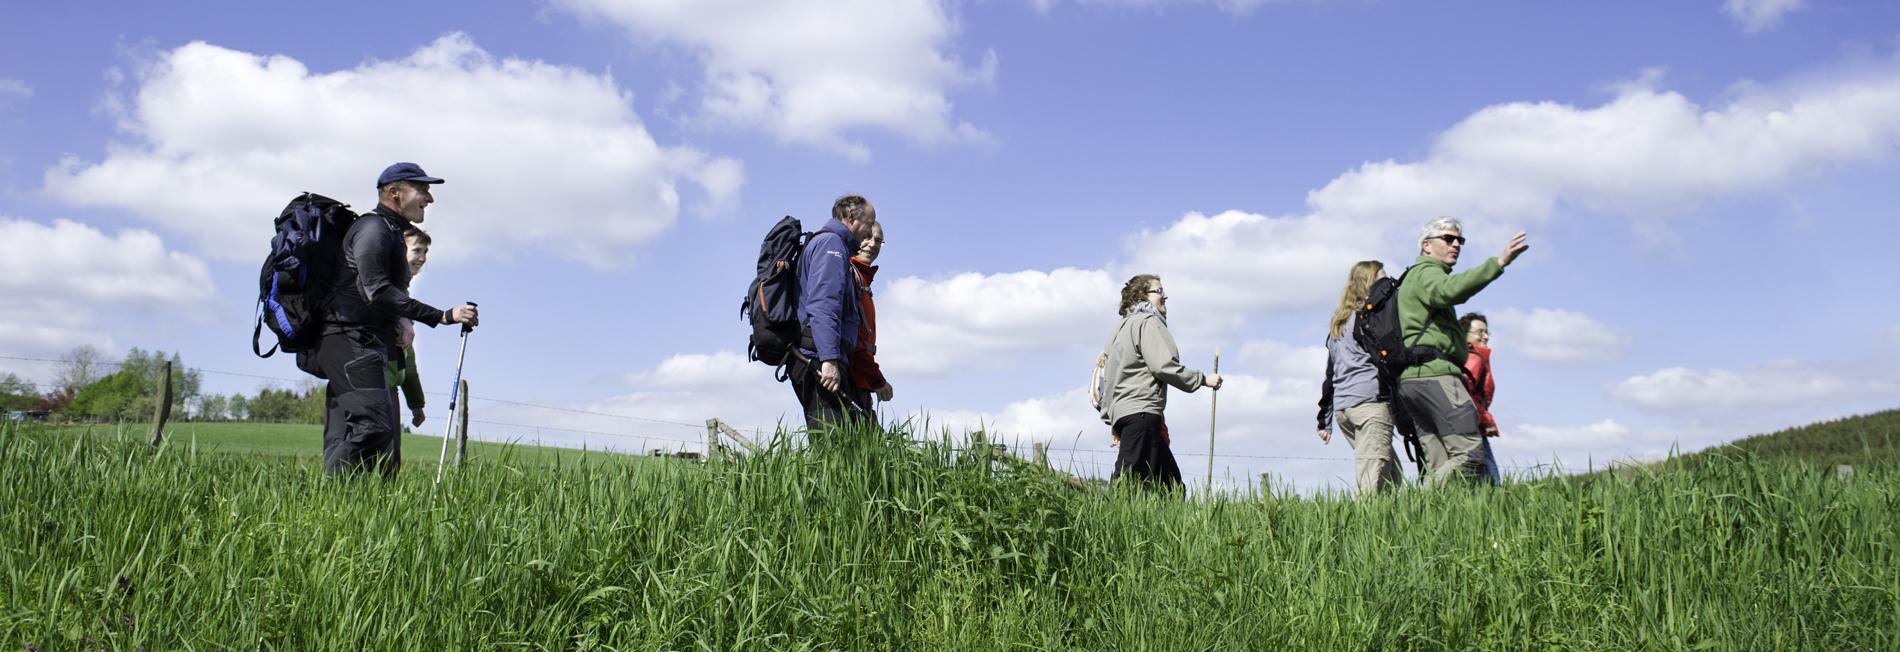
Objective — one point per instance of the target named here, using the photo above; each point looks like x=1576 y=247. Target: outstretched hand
x=1512 y=250
x=1214 y=382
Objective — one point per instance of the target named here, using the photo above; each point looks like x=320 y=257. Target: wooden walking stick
x=1213 y=410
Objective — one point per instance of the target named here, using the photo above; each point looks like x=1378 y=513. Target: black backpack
x=771 y=302
x=1376 y=328
x=293 y=288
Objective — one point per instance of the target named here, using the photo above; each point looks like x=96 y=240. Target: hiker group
x=335 y=293
x=1399 y=359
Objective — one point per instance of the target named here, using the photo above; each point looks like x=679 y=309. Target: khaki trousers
x=1368 y=427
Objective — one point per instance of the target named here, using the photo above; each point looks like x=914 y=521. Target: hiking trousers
x=824 y=408
x=1447 y=424
x=360 y=431
x=1368 y=428
x=1145 y=455
x=1491 y=471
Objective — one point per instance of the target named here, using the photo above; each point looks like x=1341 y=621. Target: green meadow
x=876 y=541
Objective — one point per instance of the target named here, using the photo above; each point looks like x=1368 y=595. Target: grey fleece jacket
x=1141 y=358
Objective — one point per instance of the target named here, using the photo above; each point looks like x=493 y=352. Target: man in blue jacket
x=828 y=309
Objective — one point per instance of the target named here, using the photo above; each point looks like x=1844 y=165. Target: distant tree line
x=88 y=387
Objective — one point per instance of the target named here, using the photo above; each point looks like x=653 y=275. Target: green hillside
x=1869 y=441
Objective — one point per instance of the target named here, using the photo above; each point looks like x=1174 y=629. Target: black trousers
x=360 y=423
x=825 y=408
x=1145 y=454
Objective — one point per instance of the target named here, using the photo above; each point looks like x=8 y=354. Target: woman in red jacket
x=1478 y=382
x=866 y=378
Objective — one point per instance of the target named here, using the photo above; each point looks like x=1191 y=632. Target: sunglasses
x=1449 y=239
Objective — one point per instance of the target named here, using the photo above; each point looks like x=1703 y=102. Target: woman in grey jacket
x=1353 y=398
x=1141 y=361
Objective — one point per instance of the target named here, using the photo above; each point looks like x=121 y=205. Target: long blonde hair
x=1358 y=285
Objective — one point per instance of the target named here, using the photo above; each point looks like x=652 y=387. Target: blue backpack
x=293 y=288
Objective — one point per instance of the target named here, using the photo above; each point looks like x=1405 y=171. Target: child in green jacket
x=402 y=374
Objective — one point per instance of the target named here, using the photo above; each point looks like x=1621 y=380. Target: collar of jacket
x=1423 y=259
x=866 y=271
x=1482 y=351
x=395 y=222
x=1145 y=307
x=837 y=228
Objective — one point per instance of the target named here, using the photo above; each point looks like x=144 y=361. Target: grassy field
x=305 y=441
x=873 y=542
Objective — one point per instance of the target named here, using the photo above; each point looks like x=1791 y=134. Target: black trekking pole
x=455 y=391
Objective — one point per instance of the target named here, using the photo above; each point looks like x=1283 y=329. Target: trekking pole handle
x=466 y=328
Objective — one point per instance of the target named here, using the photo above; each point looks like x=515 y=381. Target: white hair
x=1438 y=224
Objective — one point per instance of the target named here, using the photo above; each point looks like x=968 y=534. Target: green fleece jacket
x=406 y=378
x=1428 y=301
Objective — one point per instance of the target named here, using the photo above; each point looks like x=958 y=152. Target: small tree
x=81 y=367
x=272 y=404
x=311 y=407
x=17 y=394
x=110 y=397
x=211 y=407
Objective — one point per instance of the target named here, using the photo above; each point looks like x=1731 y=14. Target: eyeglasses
x=1157 y=291
x=1449 y=239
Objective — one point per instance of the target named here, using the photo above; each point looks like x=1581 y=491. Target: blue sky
x=1706 y=184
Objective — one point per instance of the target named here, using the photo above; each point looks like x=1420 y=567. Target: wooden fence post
x=164 y=411
x=461 y=430
x=712 y=437
x=1042 y=454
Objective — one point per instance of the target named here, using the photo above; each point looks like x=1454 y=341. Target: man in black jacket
x=361 y=427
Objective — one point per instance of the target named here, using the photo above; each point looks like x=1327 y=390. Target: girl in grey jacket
x=1138 y=365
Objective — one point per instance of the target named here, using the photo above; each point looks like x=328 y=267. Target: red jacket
x=1479 y=383
x=865 y=373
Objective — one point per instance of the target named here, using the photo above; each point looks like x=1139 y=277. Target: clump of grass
x=873 y=540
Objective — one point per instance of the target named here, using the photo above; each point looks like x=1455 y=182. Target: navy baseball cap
x=404 y=172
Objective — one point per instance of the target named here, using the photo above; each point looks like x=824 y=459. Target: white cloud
x=1237 y=261
x=1759 y=15
x=667 y=408
x=1779 y=384
x=14 y=89
x=1557 y=336
x=68 y=284
x=1235 y=7
x=935 y=326
x=1603 y=434
x=813 y=72
x=1645 y=154
x=538 y=156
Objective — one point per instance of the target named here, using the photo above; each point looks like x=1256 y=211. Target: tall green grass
x=875 y=542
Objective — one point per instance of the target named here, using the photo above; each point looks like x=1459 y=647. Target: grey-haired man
x=1433 y=393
